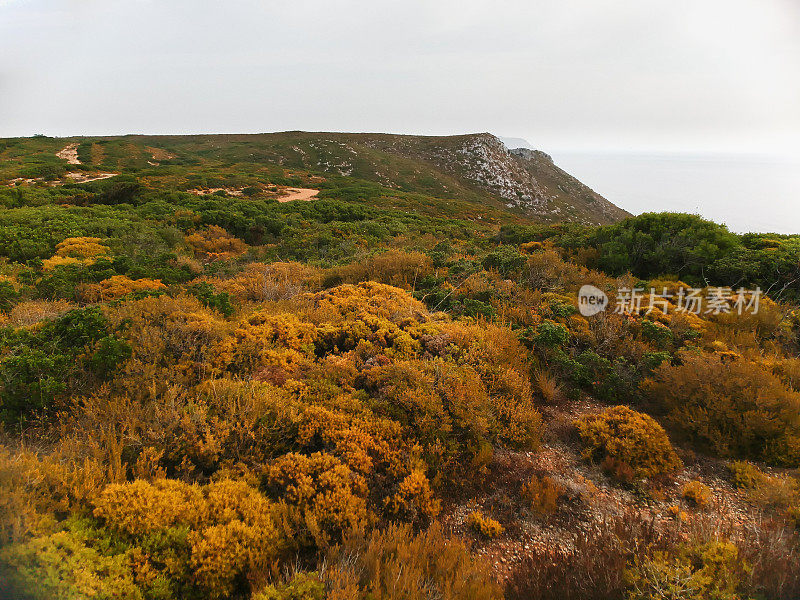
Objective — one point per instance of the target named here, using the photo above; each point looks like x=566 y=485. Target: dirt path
x=304 y=194
x=87 y=177
x=69 y=154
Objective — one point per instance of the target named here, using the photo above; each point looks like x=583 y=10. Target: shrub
x=697 y=494
x=117 y=286
x=64 y=565
x=551 y=334
x=745 y=475
x=414 y=500
x=212 y=537
x=592 y=566
x=693 y=572
x=485 y=526
x=735 y=409
x=542 y=494
x=394 y=267
x=214 y=243
x=777 y=491
x=630 y=438
x=205 y=293
x=330 y=495
x=302 y=586
x=548 y=387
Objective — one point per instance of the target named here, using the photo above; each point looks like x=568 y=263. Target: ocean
x=747 y=193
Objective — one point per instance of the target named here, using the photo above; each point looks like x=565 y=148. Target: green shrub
x=702 y=572
x=303 y=586
x=551 y=334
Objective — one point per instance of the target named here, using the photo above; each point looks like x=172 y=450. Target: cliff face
x=524 y=179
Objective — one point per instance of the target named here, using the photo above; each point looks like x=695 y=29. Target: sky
x=684 y=75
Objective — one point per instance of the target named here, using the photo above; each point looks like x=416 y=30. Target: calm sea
x=746 y=193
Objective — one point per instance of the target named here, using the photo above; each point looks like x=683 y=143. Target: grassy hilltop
x=475 y=167
x=299 y=366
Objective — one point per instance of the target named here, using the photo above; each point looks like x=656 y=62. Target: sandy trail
x=304 y=194
x=69 y=154
x=87 y=177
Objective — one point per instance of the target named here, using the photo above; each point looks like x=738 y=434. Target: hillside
x=476 y=168
x=332 y=367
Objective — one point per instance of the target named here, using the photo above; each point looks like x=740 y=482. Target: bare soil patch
x=69 y=154
x=304 y=194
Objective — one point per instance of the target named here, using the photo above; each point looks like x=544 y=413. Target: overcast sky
x=565 y=74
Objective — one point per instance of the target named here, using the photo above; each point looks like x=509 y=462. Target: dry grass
x=549 y=387
x=32 y=311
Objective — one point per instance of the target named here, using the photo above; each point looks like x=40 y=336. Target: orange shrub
x=697 y=494
x=330 y=495
x=485 y=526
x=118 y=286
x=734 y=408
x=632 y=439
x=414 y=500
x=214 y=243
x=542 y=494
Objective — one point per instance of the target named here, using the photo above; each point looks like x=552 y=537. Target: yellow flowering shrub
x=118 y=286
x=141 y=507
x=630 y=439
x=697 y=493
x=214 y=533
x=486 y=526
x=330 y=494
x=279 y=341
x=62 y=565
x=214 y=243
x=76 y=251
x=414 y=500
